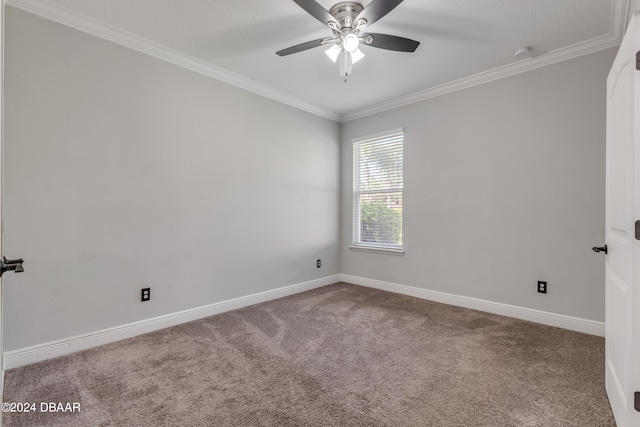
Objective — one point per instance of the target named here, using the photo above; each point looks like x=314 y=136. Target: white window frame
x=356 y=225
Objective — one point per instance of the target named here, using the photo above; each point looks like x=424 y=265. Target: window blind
x=377 y=190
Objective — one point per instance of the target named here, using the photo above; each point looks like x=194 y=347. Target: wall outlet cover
x=542 y=287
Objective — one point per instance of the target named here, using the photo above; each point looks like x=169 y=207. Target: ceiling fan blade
x=317 y=11
x=301 y=47
x=385 y=41
x=376 y=10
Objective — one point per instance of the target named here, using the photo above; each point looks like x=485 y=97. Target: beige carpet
x=341 y=355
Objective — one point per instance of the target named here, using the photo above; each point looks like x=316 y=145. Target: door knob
x=11 y=265
x=600 y=249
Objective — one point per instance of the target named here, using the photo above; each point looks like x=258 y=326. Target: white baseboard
x=37 y=353
x=591 y=327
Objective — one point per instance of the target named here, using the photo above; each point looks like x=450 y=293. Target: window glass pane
x=380 y=166
x=381 y=218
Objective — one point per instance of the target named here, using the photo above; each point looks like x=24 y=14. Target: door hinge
x=638 y=60
x=636 y=401
x=637 y=230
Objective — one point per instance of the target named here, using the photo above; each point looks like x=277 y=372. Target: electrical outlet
x=145 y=294
x=542 y=287
x=318 y=263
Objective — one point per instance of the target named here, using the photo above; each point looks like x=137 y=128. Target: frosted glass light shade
x=345 y=64
x=333 y=52
x=356 y=55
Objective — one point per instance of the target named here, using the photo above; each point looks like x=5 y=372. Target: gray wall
x=504 y=186
x=123 y=172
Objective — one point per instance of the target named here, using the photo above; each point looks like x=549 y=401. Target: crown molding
x=42 y=8
x=619 y=14
x=104 y=31
x=523 y=66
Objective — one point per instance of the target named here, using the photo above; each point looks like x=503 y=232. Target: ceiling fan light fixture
x=333 y=52
x=347 y=20
x=350 y=43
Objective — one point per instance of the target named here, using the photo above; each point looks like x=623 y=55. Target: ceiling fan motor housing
x=345 y=12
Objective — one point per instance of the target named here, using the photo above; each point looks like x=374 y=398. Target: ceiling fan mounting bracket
x=346 y=12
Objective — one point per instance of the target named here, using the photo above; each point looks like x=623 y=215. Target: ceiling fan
x=347 y=20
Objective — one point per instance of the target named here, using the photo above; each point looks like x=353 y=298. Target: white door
x=1 y=151
x=622 y=265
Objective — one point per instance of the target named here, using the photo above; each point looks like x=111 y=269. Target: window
x=377 y=192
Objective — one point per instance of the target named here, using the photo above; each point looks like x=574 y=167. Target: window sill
x=378 y=250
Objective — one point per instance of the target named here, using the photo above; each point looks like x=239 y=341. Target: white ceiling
x=462 y=42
